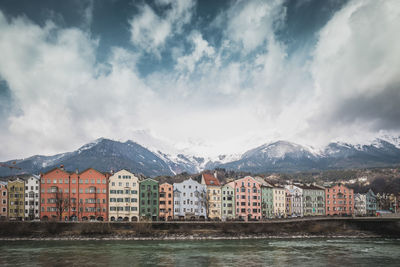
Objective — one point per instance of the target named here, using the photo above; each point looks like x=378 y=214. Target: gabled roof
x=16 y=179
x=91 y=169
x=210 y=180
x=56 y=168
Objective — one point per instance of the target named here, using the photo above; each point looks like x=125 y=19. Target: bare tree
x=62 y=202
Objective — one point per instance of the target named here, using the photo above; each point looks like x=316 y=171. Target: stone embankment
x=303 y=227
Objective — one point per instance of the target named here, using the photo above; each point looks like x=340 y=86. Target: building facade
x=55 y=199
x=32 y=198
x=360 y=205
x=279 y=202
x=3 y=201
x=123 y=197
x=93 y=195
x=149 y=200
x=213 y=195
x=313 y=200
x=74 y=196
x=166 y=208
x=228 y=201
x=294 y=201
x=371 y=203
x=267 y=199
x=190 y=200
x=339 y=200
x=248 y=199
x=16 y=198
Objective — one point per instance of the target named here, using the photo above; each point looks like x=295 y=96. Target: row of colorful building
x=121 y=196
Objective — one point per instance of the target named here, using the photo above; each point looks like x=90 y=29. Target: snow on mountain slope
x=280 y=156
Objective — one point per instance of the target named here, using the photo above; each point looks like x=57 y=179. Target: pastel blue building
x=190 y=200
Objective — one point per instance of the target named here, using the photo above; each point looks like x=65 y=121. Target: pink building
x=248 y=199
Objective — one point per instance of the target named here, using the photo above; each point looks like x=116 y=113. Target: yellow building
x=213 y=196
x=123 y=197
x=16 y=198
x=279 y=202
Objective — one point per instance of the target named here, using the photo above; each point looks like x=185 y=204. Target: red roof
x=209 y=179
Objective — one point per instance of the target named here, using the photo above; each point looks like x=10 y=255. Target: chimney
x=76 y=171
x=62 y=167
x=215 y=174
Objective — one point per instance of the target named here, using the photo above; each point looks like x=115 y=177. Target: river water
x=260 y=252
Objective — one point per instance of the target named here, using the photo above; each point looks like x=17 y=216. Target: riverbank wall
x=330 y=227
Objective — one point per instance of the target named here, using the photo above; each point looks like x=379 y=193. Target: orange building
x=166 y=208
x=93 y=195
x=74 y=196
x=54 y=195
x=339 y=200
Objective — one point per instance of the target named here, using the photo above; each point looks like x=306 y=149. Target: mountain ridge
x=279 y=156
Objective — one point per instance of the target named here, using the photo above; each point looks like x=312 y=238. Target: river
x=260 y=252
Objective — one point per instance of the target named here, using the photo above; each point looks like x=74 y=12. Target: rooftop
x=210 y=179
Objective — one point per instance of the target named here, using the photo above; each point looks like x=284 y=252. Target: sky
x=202 y=77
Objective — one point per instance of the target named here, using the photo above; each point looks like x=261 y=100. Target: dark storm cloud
x=381 y=110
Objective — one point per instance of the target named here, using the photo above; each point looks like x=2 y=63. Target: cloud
x=218 y=97
x=87 y=12
x=356 y=67
x=150 y=31
x=64 y=94
x=201 y=49
x=251 y=23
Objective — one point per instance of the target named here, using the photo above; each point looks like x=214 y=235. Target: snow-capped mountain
x=281 y=156
x=276 y=156
x=104 y=155
x=284 y=156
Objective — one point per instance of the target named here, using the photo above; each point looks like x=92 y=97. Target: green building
x=228 y=201
x=267 y=199
x=148 y=200
x=313 y=200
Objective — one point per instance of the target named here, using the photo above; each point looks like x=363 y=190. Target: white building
x=360 y=205
x=294 y=201
x=123 y=197
x=190 y=200
x=32 y=198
